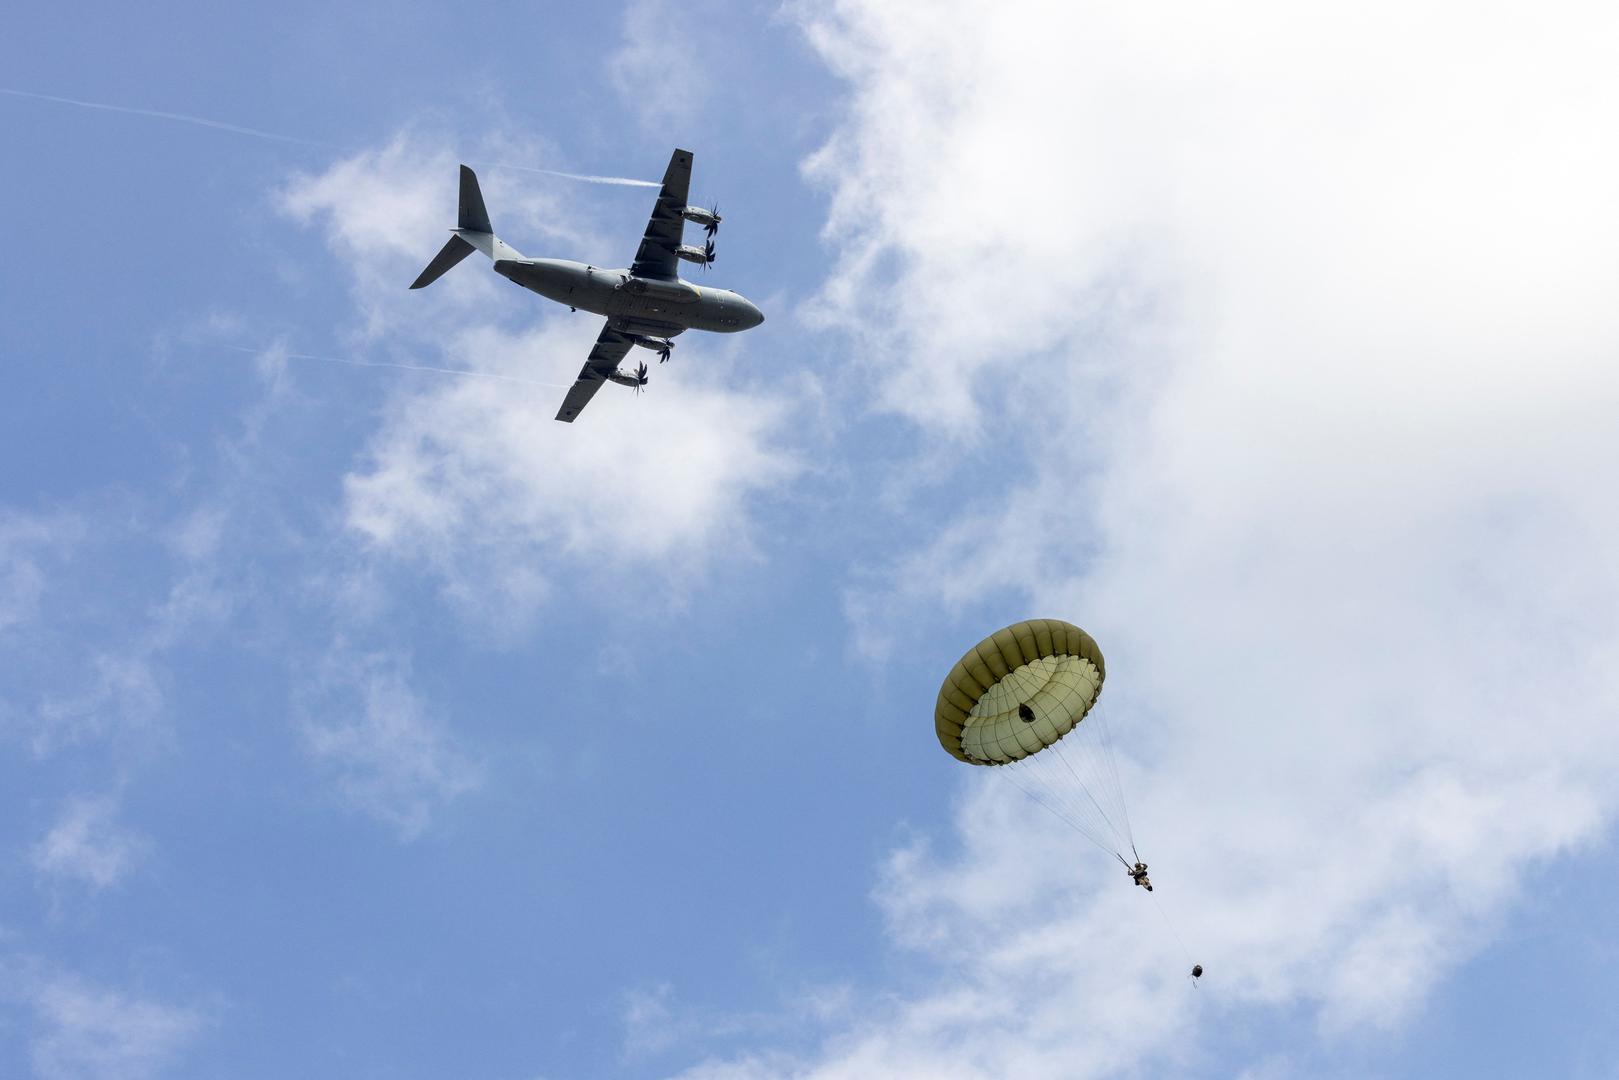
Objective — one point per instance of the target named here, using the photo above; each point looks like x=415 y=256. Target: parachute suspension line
x=1055 y=812
x=1084 y=787
x=1085 y=817
x=1066 y=818
x=1087 y=790
x=1096 y=781
x=1056 y=809
x=1095 y=759
x=1100 y=778
x=1047 y=796
x=1113 y=767
x=1027 y=766
x=1059 y=793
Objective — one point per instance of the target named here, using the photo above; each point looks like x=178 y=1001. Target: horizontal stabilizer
x=474 y=218
x=450 y=254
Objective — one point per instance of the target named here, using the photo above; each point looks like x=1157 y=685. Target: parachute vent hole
x=1025 y=713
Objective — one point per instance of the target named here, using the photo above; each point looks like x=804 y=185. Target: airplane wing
x=656 y=257
x=611 y=348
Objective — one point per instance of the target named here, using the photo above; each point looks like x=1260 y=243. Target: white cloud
x=659 y=70
x=473 y=474
x=1290 y=343
x=86 y=1032
x=473 y=477
x=21 y=584
x=85 y=628
x=649 y=1023
x=87 y=845
x=390 y=756
x=117 y=695
x=1140 y=157
x=658 y=1024
x=26 y=542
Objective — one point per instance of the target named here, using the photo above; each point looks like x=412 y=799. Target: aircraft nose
x=755 y=316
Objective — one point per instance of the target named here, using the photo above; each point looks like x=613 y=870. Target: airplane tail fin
x=472 y=218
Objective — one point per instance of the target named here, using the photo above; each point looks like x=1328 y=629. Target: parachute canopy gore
x=1044 y=667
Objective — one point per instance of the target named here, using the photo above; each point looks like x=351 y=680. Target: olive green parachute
x=1022 y=699
x=1052 y=667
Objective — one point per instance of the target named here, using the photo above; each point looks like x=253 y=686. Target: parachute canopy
x=1012 y=700
x=1044 y=667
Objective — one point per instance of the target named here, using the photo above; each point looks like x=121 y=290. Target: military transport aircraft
x=646 y=304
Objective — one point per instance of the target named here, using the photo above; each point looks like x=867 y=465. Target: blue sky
x=357 y=721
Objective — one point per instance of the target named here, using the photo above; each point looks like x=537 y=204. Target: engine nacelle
x=656 y=344
x=627 y=380
x=700 y=216
x=700 y=255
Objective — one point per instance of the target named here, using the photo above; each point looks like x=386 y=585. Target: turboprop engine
x=659 y=345
x=701 y=255
x=708 y=219
x=636 y=381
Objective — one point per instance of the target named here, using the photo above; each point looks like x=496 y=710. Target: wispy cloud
x=655 y=34
x=390 y=756
x=28 y=542
x=119 y=694
x=78 y=1029
x=658 y=1024
x=87 y=845
x=86 y=1032
x=79 y=676
x=87 y=637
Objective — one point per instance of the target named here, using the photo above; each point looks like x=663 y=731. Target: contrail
x=399 y=367
x=200 y=121
x=621 y=181
x=238 y=129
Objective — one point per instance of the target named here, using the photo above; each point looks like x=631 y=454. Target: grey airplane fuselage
x=649 y=306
